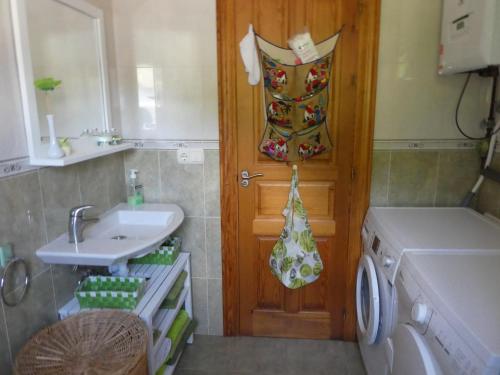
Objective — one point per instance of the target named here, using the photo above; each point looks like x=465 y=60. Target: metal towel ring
x=26 y=281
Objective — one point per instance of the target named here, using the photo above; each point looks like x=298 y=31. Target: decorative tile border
x=21 y=165
x=411 y=144
x=15 y=166
x=163 y=144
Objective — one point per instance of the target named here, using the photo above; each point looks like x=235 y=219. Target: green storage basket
x=165 y=255
x=110 y=292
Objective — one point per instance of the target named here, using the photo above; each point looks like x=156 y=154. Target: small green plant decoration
x=47 y=85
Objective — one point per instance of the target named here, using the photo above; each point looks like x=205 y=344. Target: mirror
x=62 y=40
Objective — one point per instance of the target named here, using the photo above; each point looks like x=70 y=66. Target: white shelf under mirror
x=80 y=155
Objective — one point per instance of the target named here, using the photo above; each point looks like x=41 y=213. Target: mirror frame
x=26 y=76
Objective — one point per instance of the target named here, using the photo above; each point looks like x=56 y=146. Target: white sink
x=123 y=232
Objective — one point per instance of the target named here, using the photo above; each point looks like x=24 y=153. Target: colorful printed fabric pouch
x=296 y=101
x=295 y=259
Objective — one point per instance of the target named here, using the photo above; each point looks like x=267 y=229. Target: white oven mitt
x=248 y=51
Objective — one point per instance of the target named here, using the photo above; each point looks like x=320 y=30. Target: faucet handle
x=79 y=210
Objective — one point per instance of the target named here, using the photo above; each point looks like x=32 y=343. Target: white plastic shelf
x=160 y=281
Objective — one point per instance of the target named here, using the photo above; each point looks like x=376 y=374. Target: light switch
x=187 y=155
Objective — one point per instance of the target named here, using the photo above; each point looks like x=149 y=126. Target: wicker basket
x=102 y=342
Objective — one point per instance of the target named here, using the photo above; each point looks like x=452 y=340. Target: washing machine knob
x=419 y=312
x=387 y=261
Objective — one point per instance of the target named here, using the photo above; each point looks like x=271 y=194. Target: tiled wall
x=489 y=195
x=166 y=57
x=423 y=178
x=413 y=101
x=34 y=210
x=195 y=187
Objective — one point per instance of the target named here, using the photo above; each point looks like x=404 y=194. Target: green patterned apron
x=295 y=259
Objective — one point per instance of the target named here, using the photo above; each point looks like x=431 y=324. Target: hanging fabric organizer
x=296 y=101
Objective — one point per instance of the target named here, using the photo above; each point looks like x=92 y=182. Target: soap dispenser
x=135 y=195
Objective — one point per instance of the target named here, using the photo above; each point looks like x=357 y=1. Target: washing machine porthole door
x=367 y=299
x=412 y=356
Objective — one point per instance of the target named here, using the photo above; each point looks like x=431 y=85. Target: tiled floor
x=213 y=355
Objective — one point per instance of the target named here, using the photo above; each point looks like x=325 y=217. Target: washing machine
x=388 y=233
x=449 y=314
x=376 y=305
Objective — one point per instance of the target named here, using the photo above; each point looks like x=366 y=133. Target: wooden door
x=255 y=302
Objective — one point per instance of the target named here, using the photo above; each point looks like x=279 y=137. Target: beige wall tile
x=212 y=183
x=147 y=163
x=489 y=194
x=458 y=172
x=93 y=176
x=65 y=283
x=413 y=178
x=5 y=360
x=21 y=218
x=380 y=178
x=192 y=232
x=61 y=192
x=214 y=257
x=215 y=315
x=200 y=305
x=35 y=312
x=181 y=184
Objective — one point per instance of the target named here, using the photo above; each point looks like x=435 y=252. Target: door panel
x=262 y=305
x=270 y=293
x=318 y=198
x=311 y=311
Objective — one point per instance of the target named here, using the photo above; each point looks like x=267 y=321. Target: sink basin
x=123 y=232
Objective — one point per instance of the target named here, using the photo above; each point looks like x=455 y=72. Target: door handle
x=245 y=177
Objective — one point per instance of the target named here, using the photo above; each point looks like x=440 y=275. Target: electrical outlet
x=183 y=156
x=190 y=155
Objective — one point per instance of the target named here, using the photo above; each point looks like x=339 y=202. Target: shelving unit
x=160 y=281
x=80 y=154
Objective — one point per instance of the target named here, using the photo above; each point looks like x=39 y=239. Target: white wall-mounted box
x=470 y=35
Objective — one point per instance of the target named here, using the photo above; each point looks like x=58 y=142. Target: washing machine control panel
x=415 y=308
x=382 y=253
x=420 y=312
x=452 y=353
x=387 y=259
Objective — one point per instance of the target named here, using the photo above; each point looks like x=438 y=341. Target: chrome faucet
x=77 y=223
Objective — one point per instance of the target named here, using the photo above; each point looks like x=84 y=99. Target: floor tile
x=269 y=356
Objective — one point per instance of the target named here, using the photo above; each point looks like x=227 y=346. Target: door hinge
x=361 y=6
x=354 y=80
x=353 y=173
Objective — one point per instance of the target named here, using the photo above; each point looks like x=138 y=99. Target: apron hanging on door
x=296 y=101
x=295 y=259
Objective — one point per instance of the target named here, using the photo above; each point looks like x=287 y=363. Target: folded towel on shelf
x=175 y=292
x=180 y=323
x=174 y=354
